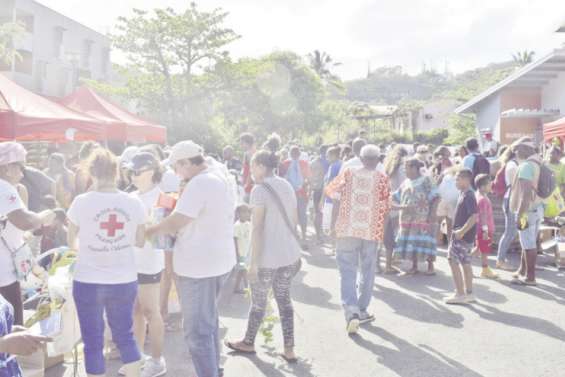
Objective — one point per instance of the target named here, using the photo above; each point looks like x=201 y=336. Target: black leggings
x=280 y=280
x=13 y=294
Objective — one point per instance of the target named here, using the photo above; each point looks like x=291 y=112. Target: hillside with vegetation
x=393 y=86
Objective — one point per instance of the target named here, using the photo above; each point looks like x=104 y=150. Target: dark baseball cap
x=142 y=160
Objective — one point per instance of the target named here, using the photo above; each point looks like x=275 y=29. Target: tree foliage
x=522 y=58
x=9 y=33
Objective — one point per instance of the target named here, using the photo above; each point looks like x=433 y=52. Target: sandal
x=235 y=349
x=290 y=360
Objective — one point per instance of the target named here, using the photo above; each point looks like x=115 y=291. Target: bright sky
x=461 y=34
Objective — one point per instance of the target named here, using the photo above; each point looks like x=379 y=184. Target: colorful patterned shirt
x=8 y=365
x=364 y=203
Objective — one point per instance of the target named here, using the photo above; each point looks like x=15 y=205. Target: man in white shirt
x=204 y=252
x=356 y=162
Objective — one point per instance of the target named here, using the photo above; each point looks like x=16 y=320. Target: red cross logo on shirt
x=112 y=225
x=12 y=198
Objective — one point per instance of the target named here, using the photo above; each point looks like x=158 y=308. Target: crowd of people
x=250 y=217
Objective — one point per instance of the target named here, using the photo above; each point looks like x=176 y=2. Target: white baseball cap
x=11 y=152
x=184 y=150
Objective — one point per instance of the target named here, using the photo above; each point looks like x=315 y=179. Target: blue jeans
x=510 y=231
x=352 y=253
x=199 y=304
x=117 y=301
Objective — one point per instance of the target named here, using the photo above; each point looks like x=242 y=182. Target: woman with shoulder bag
x=275 y=252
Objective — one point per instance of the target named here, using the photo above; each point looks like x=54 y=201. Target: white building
x=55 y=50
x=520 y=104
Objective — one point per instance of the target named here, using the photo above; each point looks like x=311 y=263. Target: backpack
x=546 y=181
x=499 y=185
x=480 y=166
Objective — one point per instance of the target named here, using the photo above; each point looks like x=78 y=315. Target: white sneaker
x=456 y=300
x=470 y=298
x=353 y=325
x=144 y=358
x=154 y=368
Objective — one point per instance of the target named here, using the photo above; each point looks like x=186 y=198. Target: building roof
x=534 y=75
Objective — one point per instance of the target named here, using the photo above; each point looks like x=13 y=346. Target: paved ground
x=513 y=331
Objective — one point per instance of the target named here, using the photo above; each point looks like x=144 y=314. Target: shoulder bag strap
x=282 y=210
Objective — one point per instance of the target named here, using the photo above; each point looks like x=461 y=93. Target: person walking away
x=15 y=219
x=318 y=168
x=231 y=162
x=558 y=168
x=242 y=234
x=475 y=161
x=203 y=254
x=418 y=198
x=394 y=169
x=105 y=226
x=527 y=207
x=362 y=196
x=462 y=240
x=449 y=195
x=247 y=143
x=63 y=177
x=146 y=173
x=485 y=223
x=503 y=185
x=275 y=252
x=297 y=173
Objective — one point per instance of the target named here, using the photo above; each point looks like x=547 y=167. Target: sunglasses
x=137 y=173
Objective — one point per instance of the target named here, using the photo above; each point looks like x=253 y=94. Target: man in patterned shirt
x=358 y=223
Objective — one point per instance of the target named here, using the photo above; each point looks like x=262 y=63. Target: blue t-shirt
x=7 y=368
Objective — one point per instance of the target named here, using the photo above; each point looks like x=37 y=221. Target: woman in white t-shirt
x=146 y=175
x=106 y=225
x=15 y=219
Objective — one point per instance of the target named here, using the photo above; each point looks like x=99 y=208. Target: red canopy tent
x=26 y=116
x=123 y=124
x=554 y=129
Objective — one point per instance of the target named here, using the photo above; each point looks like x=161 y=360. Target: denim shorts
x=529 y=236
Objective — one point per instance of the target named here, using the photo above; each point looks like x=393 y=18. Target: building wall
x=488 y=116
x=435 y=115
x=553 y=94
x=514 y=128
x=57 y=50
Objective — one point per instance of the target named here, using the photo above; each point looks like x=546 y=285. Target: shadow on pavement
x=520 y=321
x=419 y=309
x=314 y=296
x=406 y=359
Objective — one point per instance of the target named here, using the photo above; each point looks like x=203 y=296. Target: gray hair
x=370 y=151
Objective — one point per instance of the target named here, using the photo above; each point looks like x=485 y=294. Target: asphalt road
x=512 y=331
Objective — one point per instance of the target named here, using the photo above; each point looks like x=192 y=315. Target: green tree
x=165 y=48
x=522 y=58
x=461 y=127
x=322 y=63
x=9 y=34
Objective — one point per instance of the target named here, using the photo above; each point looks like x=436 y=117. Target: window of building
x=24 y=64
x=105 y=64
x=86 y=53
x=26 y=20
x=58 y=34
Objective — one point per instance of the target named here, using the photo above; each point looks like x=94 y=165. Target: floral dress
x=417 y=234
x=8 y=365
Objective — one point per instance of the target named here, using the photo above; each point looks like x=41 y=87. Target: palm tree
x=522 y=58
x=322 y=63
x=9 y=32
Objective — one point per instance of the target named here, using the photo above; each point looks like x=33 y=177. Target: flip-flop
x=430 y=273
x=289 y=360
x=232 y=347
x=524 y=282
